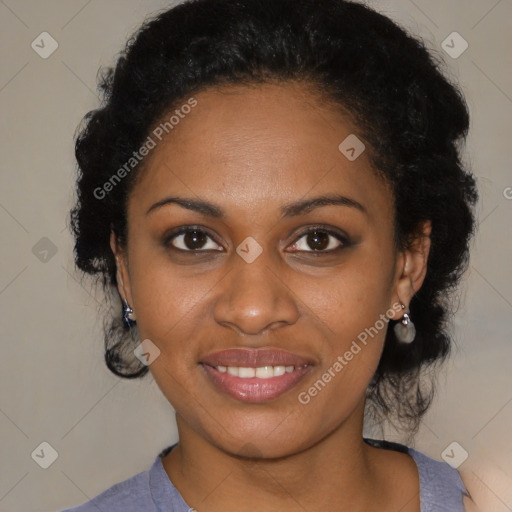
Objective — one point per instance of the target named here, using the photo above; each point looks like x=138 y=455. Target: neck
x=337 y=472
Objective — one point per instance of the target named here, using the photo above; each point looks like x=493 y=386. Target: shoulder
x=147 y=491
x=441 y=486
x=130 y=494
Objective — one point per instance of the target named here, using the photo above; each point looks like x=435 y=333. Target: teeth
x=246 y=373
x=279 y=370
x=263 y=372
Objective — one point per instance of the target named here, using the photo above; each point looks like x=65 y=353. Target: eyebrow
x=306 y=205
x=293 y=209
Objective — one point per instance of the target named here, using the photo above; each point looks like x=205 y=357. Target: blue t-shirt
x=441 y=488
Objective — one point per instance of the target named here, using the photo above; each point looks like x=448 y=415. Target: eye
x=320 y=240
x=192 y=239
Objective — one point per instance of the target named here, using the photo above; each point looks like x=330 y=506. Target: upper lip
x=254 y=358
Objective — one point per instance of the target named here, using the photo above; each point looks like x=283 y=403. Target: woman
x=274 y=192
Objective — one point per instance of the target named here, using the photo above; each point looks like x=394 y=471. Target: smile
x=252 y=375
x=262 y=372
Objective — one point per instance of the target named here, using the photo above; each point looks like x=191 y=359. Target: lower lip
x=255 y=389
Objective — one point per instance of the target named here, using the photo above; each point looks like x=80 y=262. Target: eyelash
x=343 y=240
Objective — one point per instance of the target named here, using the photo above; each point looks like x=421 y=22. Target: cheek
x=168 y=314
x=353 y=297
x=352 y=349
x=350 y=308
x=162 y=291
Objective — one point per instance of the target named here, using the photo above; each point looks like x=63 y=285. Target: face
x=257 y=256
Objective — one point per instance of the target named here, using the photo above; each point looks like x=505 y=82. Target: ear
x=411 y=266
x=122 y=274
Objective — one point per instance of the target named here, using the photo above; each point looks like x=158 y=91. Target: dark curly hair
x=409 y=114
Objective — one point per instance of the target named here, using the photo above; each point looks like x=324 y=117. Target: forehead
x=263 y=144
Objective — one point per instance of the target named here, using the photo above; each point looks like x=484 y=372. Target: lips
x=255 y=375
x=254 y=358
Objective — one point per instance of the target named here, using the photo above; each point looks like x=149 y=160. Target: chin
x=265 y=435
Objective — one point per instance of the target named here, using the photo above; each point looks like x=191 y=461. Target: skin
x=250 y=151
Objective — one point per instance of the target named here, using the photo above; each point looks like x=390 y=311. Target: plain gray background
x=54 y=386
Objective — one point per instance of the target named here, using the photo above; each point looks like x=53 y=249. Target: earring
x=128 y=314
x=405 y=331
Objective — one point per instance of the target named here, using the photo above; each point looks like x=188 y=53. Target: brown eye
x=319 y=240
x=193 y=240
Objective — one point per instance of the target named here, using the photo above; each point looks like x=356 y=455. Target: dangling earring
x=128 y=314
x=405 y=331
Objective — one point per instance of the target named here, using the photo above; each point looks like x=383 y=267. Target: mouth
x=255 y=375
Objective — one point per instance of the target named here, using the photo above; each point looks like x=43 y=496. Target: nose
x=255 y=298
